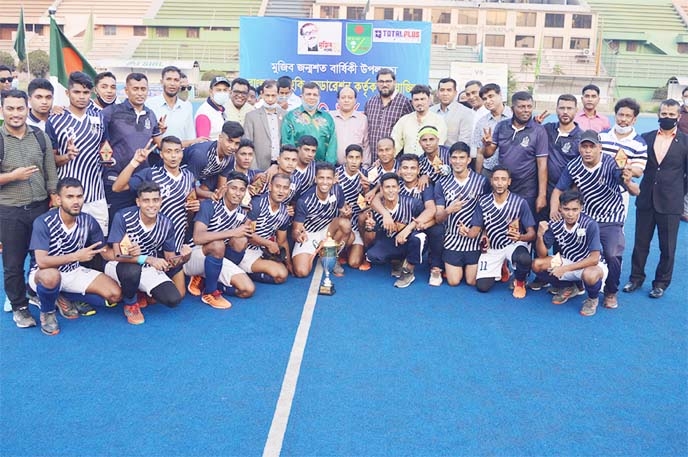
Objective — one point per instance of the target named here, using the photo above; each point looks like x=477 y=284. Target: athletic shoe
x=110 y=305
x=49 y=324
x=505 y=272
x=85 y=309
x=365 y=266
x=195 y=284
x=589 y=306
x=537 y=285
x=23 y=318
x=405 y=279
x=610 y=301
x=143 y=300
x=553 y=290
x=8 y=305
x=134 y=315
x=34 y=300
x=564 y=294
x=338 y=270
x=396 y=268
x=216 y=300
x=519 y=289
x=435 y=277
x=66 y=308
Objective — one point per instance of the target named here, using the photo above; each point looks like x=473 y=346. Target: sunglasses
x=184 y=88
x=6 y=80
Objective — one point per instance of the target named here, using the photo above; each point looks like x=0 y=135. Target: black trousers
x=667 y=230
x=17 y=225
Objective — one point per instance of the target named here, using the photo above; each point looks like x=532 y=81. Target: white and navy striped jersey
x=316 y=214
x=203 y=162
x=634 y=145
x=305 y=179
x=575 y=244
x=218 y=218
x=376 y=170
x=173 y=191
x=88 y=133
x=599 y=186
x=51 y=235
x=495 y=218
x=352 y=188
x=424 y=195
x=433 y=171
x=153 y=241
x=403 y=213
x=450 y=189
x=268 y=222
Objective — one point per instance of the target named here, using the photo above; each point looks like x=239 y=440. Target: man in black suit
x=659 y=205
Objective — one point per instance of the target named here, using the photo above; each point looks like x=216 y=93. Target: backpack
x=38 y=133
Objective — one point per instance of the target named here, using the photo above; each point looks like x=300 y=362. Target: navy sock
x=213 y=266
x=94 y=300
x=48 y=297
x=262 y=277
x=226 y=290
x=594 y=290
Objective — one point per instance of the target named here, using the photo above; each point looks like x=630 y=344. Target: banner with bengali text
x=334 y=53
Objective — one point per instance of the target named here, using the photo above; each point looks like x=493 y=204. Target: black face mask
x=103 y=103
x=667 y=123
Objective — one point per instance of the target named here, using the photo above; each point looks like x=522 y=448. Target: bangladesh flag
x=20 y=40
x=64 y=57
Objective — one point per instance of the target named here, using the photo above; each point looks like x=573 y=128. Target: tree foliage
x=39 y=63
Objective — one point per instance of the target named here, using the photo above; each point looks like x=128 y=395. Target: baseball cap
x=591 y=136
x=218 y=80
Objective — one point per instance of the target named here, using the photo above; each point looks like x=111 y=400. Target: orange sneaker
x=519 y=289
x=365 y=266
x=195 y=285
x=134 y=315
x=216 y=300
x=506 y=274
x=144 y=300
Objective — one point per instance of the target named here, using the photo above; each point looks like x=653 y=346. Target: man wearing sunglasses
x=184 y=87
x=237 y=107
x=178 y=114
x=5 y=82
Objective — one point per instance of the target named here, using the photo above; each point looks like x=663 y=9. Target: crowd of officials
x=139 y=202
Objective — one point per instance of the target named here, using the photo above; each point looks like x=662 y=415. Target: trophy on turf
x=328 y=257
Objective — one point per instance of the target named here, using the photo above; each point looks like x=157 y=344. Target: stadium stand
x=289 y=8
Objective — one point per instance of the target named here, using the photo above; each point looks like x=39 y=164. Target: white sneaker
x=435 y=277
x=8 y=305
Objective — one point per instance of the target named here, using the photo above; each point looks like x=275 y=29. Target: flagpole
x=28 y=67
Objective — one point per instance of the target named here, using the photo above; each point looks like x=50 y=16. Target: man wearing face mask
x=286 y=97
x=683 y=127
x=263 y=127
x=105 y=87
x=211 y=114
x=657 y=205
x=622 y=136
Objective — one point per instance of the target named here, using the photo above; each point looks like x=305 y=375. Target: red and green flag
x=20 y=39
x=64 y=57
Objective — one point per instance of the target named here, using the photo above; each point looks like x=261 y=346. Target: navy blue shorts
x=460 y=258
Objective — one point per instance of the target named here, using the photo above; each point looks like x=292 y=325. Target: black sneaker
x=405 y=279
x=66 y=308
x=23 y=318
x=85 y=309
x=49 y=324
x=537 y=284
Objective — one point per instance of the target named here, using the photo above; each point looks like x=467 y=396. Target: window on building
x=192 y=32
x=468 y=17
x=632 y=46
x=6 y=32
x=162 y=32
x=496 y=17
x=329 y=12
x=140 y=30
x=110 y=30
x=524 y=41
x=554 y=20
x=384 y=14
x=413 y=14
x=495 y=41
x=38 y=29
x=682 y=48
x=582 y=21
x=526 y=19
x=467 y=39
x=355 y=12
x=441 y=16
x=440 y=38
x=579 y=43
x=553 y=42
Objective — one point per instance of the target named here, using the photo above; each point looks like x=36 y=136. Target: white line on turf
x=273 y=445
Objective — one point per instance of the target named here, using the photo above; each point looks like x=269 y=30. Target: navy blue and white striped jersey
x=376 y=171
x=51 y=235
x=218 y=218
x=434 y=170
x=634 y=145
x=173 y=191
x=599 y=186
x=352 y=188
x=88 y=133
x=153 y=241
x=424 y=195
x=403 y=213
x=203 y=162
x=495 y=218
x=575 y=244
x=305 y=179
x=448 y=190
x=268 y=222
x=316 y=214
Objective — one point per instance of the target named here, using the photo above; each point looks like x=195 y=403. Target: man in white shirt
x=405 y=131
x=458 y=118
x=177 y=113
x=351 y=126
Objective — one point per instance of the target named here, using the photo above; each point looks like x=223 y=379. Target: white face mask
x=685 y=101
x=221 y=98
x=623 y=130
